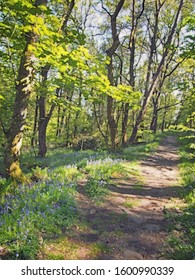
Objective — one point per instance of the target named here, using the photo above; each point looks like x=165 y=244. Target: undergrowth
x=182 y=245
x=45 y=206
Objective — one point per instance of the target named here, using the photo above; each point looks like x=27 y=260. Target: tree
x=24 y=88
x=152 y=82
x=112 y=122
x=44 y=117
x=135 y=18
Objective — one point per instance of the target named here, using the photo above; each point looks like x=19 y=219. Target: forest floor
x=134 y=216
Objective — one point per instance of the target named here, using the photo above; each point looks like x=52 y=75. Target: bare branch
x=105 y=9
x=174 y=68
x=141 y=12
x=169 y=106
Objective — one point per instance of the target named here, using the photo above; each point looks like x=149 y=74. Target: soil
x=132 y=218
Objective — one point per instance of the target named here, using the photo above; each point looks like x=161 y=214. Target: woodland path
x=132 y=216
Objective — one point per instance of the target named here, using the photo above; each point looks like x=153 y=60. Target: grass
x=182 y=244
x=65 y=248
x=130 y=203
x=138 y=152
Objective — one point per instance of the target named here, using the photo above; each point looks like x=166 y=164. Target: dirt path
x=133 y=215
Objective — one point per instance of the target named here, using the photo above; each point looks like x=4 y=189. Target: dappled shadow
x=142 y=228
x=161 y=162
x=116 y=228
x=158 y=192
x=117 y=232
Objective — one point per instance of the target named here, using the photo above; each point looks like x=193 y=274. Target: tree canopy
x=109 y=72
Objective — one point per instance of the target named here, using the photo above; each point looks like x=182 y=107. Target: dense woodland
x=97 y=76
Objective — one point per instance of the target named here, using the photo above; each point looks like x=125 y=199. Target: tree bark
x=77 y=116
x=43 y=122
x=132 y=45
x=24 y=87
x=112 y=123
x=33 y=142
x=154 y=121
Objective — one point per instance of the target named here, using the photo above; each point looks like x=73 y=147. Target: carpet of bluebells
x=42 y=208
x=32 y=212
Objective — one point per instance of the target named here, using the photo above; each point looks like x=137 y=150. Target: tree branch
x=67 y=16
x=105 y=9
x=118 y=8
x=168 y=106
x=141 y=12
x=174 y=68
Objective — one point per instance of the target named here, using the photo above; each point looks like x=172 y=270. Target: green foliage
x=100 y=172
x=4 y=185
x=78 y=67
x=188 y=48
x=183 y=244
x=96 y=189
x=40 y=174
x=104 y=168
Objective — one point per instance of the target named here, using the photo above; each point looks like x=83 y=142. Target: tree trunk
x=42 y=139
x=33 y=142
x=153 y=125
x=62 y=122
x=24 y=88
x=43 y=118
x=155 y=101
x=132 y=46
x=124 y=124
x=58 y=123
x=68 y=117
x=112 y=123
x=163 y=121
x=43 y=122
x=77 y=116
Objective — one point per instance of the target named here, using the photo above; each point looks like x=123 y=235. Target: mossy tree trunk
x=23 y=91
x=24 y=87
